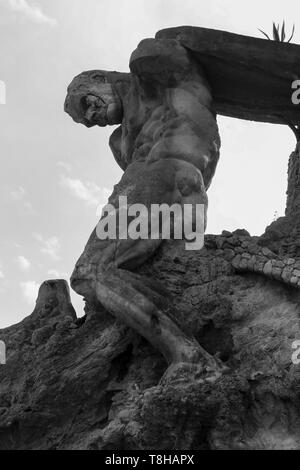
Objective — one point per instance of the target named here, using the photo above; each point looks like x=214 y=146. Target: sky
x=55 y=173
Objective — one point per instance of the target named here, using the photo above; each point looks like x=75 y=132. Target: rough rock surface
x=283 y=235
x=92 y=383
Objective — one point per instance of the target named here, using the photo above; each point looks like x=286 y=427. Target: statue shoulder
x=159 y=58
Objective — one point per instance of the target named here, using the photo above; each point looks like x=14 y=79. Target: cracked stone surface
x=91 y=383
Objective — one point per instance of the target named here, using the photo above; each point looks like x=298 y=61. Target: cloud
x=29 y=208
x=17 y=245
x=1 y=272
x=89 y=192
x=66 y=166
x=49 y=246
x=57 y=274
x=30 y=291
x=18 y=194
x=31 y=11
x=23 y=263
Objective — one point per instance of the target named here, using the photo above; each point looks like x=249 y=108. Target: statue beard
x=97 y=115
x=106 y=114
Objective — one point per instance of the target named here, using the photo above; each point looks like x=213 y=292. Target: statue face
x=93 y=101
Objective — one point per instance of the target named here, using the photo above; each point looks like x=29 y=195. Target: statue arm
x=115 y=146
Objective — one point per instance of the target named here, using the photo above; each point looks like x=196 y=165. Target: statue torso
x=170 y=122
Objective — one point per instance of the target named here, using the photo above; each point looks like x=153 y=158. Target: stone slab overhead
x=251 y=78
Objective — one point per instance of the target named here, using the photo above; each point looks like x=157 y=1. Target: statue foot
x=199 y=372
x=187 y=359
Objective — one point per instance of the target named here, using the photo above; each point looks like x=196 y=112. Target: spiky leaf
x=283 y=32
x=292 y=33
x=264 y=34
x=276 y=33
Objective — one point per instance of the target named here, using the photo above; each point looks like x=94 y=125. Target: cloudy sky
x=54 y=173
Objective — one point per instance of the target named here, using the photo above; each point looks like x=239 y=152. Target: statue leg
x=128 y=297
x=104 y=269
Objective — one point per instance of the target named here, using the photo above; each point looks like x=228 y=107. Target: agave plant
x=279 y=33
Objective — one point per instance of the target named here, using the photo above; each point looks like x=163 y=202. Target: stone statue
x=239 y=295
x=168 y=146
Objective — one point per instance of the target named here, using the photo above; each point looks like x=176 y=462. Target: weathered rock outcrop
x=283 y=235
x=91 y=383
x=225 y=317
x=293 y=189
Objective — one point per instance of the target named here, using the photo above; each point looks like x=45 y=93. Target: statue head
x=92 y=99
